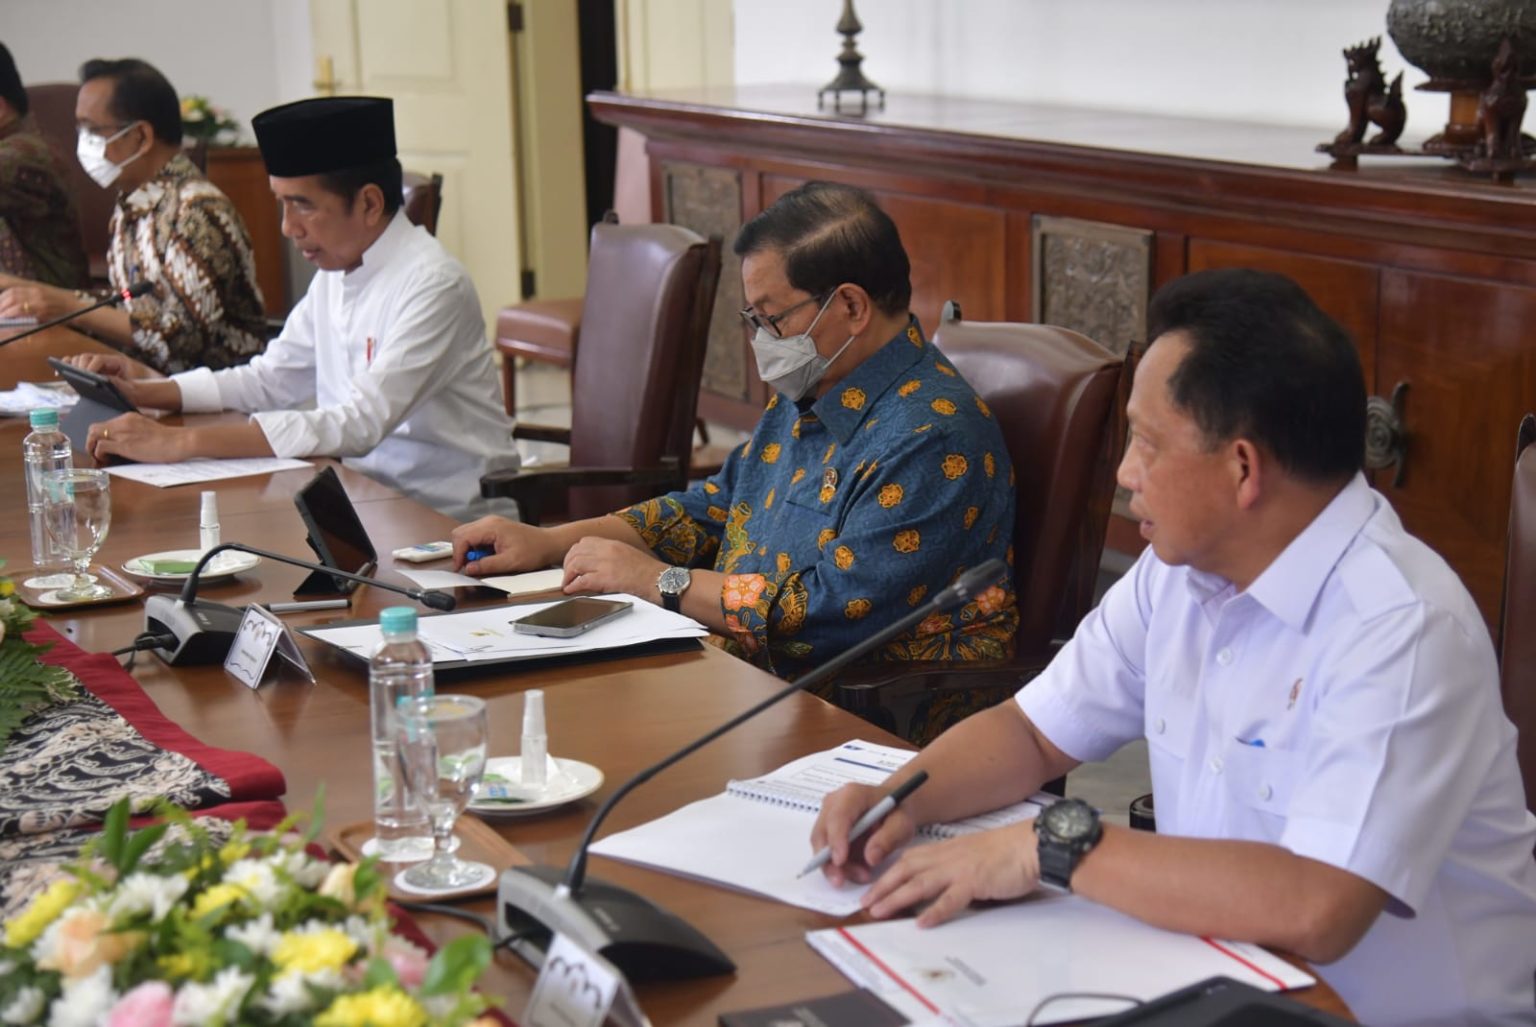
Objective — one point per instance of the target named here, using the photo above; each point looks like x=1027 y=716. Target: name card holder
x=578 y=988
x=261 y=634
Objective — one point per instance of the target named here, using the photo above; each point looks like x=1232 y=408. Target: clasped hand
x=592 y=564
x=947 y=875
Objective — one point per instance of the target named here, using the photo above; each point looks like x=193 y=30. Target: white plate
x=226 y=565
x=576 y=781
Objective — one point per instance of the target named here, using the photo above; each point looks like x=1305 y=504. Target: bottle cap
x=210 y=510
x=397 y=620
x=533 y=712
x=48 y=417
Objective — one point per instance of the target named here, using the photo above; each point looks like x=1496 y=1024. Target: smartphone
x=425 y=552
x=572 y=617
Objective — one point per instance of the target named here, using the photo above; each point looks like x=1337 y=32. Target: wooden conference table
x=619 y=715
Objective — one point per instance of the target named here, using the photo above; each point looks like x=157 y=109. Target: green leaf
x=379 y=972
x=140 y=844
x=317 y=821
x=457 y=965
x=114 y=832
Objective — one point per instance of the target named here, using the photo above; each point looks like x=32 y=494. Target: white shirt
x=392 y=358
x=1345 y=707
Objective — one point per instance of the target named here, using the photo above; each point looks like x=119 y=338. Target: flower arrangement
x=26 y=684
x=170 y=926
x=202 y=121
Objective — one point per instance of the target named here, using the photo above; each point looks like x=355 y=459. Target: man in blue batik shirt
x=875 y=476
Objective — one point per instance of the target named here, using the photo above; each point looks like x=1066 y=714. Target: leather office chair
x=422 y=199
x=53 y=107
x=650 y=291
x=1517 y=622
x=1058 y=398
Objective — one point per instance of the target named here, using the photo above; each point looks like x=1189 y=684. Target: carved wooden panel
x=1092 y=278
x=708 y=200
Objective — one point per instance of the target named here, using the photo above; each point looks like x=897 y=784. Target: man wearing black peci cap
x=386 y=351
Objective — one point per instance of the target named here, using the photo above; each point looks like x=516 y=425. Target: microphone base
x=644 y=941
x=204 y=631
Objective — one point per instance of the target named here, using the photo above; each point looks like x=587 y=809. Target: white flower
x=26 y=1007
x=198 y=1005
x=258 y=880
x=85 y=1001
x=257 y=935
x=365 y=932
x=306 y=872
x=146 y=893
x=6 y=967
x=290 y=993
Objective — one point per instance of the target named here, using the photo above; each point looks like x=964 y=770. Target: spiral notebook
x=756 y=835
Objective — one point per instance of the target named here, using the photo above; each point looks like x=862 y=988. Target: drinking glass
x=442 y=745
x=77 y=508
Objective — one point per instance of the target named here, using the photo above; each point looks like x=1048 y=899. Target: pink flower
x=148 y=1005
x=409 y=961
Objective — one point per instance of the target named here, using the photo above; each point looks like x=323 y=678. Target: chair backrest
x=644 y=324
x=1517 y=629
x=1055 y=395
x=53 y=107
x=423 y=199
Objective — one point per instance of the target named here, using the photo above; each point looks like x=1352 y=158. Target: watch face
x=1070 y=820
x=673 y=580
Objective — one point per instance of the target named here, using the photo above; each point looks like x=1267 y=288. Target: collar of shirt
x=148 y=196
x=1289 y=587
x=381 y=252
x=871 y=378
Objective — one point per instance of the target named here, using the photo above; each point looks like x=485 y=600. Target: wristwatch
x=1067 y=831
x=672 y=583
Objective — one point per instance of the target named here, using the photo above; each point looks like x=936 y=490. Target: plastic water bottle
x=45 y=449
x=400 y=669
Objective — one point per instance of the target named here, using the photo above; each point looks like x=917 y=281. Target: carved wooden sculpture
x=1369 y=98
x=1501 y=108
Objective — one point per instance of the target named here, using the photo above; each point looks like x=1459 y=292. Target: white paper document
x=487 y=634
x=992 y=967
x=192 y=472
x=29 y=396
x=756 y=836
x=513 y=584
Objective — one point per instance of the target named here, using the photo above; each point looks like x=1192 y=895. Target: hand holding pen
x=872 y=816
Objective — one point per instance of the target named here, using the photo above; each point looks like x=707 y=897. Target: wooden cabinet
x=240 y=175
x=1074 y=217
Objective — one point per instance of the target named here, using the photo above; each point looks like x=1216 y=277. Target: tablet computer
x=100 y=400
x=335 y=534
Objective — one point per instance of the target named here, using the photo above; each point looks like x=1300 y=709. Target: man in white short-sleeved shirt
x=1333 y=772
x=383 y=363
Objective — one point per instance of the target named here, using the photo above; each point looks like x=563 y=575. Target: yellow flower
x=907 y=541
x=234 y=850
x=313 y=951
x=84 y=941
x=770 y=453
x=191 y=965
x=853 y=398
x=942 y=406
x=890 y=495
x=954 y=466
x=910 y=387
x=857 y=609
x=45 y=909
x=7 y=587
x=341 y=884
x=216 y=898
x=384 y=1006
x=843 y=557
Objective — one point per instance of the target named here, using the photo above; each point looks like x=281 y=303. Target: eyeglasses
x=771 y=322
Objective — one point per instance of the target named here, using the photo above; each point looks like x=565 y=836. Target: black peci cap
x=328 y=133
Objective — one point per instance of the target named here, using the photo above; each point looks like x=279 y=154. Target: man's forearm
x=225 y=441
x=109 y=324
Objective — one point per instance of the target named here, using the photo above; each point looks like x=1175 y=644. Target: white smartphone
x=572 y=617
x=425 y=552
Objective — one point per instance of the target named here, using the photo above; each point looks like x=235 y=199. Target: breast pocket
x=1261 y=779
x=1169 y=728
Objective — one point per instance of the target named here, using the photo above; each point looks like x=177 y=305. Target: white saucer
x=576 y=781
x=226 y=565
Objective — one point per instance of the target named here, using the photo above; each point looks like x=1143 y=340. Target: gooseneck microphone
x=640 y=938
x=133 y=291
x=203 y=631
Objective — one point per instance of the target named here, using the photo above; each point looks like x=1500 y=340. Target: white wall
x=1260 y=60
x=244 y=55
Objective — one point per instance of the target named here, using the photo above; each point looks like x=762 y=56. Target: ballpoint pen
x=308 y=604
x=871 y=817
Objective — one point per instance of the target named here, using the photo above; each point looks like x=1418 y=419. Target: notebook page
x=803 y=783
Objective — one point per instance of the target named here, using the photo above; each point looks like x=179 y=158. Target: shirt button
x=1224 y=657
x=1216 y=765
x=1160 y=726
x=1266 y=792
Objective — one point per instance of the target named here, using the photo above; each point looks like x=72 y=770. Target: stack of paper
x=29 y=396
x=487 y=634
x=194 y=472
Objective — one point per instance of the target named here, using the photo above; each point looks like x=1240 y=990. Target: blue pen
x=1257 y=743
x=471 y=555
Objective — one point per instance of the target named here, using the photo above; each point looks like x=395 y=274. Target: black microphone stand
x=640 y=938
x=132 y=292
x=203 y=631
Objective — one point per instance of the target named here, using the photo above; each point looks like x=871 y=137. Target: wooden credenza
x=1074 y=216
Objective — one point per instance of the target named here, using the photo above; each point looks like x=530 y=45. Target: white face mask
x=791 y=364
x=91 y=149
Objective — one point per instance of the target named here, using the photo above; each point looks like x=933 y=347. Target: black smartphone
x=572 y=617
